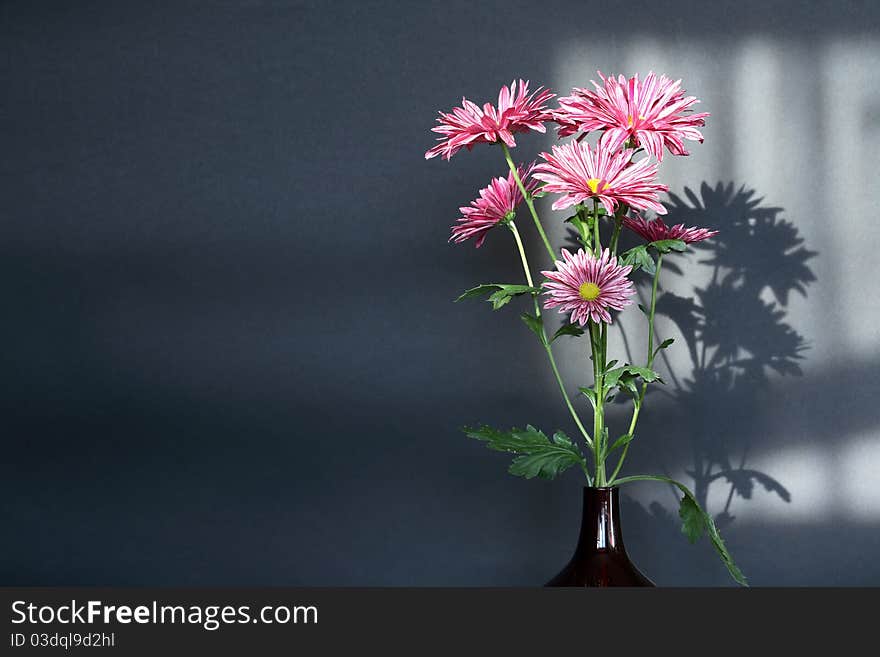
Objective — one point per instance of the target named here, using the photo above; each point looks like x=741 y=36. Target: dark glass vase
x=600 y=558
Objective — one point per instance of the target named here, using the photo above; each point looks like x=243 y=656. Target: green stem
x=637 y=404
x=618 y=223
x=604 y=343
x=544 y=340
x=529 y=201
x=599 y=410
x=653 y=310
x=571 y=410
x=525 y=262
x=598 y=343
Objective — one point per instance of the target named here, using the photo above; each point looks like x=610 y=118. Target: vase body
x=600 y=558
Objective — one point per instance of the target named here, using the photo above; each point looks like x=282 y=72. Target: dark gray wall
x=229 y=353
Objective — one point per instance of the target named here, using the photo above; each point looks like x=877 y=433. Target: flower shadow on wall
x=737 y=334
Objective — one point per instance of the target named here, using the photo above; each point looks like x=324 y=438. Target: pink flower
x=497 y=203
x=653 y=113
x=588 y=286
x=517 y=111
x=656 y=230
x=580 y=173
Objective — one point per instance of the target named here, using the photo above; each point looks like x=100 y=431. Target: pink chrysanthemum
x=653 y=113
x=517 y=111
x=588 y=287
x=497 y=202
x=656 y=229
x=579 y=172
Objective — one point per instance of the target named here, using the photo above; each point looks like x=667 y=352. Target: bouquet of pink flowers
x=604 y=186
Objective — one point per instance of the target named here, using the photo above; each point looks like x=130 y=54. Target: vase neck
x=600 y=558
x=600 y=523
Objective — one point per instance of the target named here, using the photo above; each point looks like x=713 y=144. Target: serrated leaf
x=499 y=293
x=692 y=524
x=536 y=455
x=645 y=373
x=568 y=329
x=499 y=299
x=665 y=246
x=502 y=441
x=696 y=522
x=721 y=549
x=631 y=256
x=639 y=258
x=625 y=376
x=535 y=324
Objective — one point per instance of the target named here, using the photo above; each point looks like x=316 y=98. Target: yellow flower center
x=629 y=120
x=588 y=291
x=593 y=184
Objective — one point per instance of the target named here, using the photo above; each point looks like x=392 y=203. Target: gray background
x=229 y=352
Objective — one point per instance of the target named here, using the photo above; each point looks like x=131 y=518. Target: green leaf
x=639 y=258
x=478 y=291
x=691 y=514
x=721 y=549
x=692 y=524
x=620 y=442
x=499 y=293
x=644 y=310
x=648 y=265
x=625 y=376
x=630 y=386
x=536 y=326
x=646 y=374
x=663 y=345
x=539 y=194
x=696 y=522
x=499 y=298
x=630 y=256
x=568 y=329
x=505 y=441
x=585 y=237
x=612 y=377
x=665 y=246
x=536 y=455
x=590 y=394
